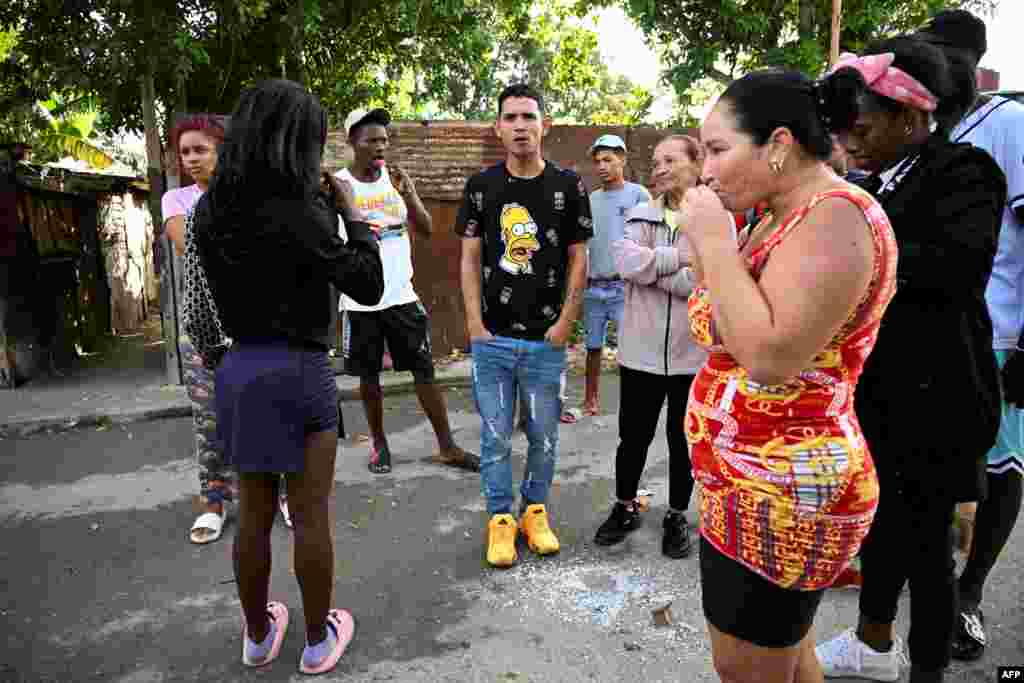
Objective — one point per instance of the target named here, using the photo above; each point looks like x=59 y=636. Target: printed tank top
x=788 y=485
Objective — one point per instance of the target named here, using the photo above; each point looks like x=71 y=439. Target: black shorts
x=406 y=331
x=748 y=606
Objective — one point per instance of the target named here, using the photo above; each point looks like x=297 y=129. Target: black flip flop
x=468 y=461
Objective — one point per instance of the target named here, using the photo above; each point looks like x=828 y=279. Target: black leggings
x=911 y=540
x=642 y=394
x=993 y=523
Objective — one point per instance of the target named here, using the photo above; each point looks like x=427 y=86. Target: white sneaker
x=845 y=656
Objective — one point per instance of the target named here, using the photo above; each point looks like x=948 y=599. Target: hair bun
x=837 y=95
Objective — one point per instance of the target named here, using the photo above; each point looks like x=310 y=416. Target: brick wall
x=440 y=157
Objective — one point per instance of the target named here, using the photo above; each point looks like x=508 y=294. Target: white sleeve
x=1011 y=154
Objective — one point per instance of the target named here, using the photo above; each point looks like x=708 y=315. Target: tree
x=69 y=129
x=721 y=39
x=203 y=53
x=624 y=103
x=550 y=47
x=55 y=127
x=18 y=93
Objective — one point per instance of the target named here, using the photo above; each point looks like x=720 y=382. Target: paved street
x=99 y=582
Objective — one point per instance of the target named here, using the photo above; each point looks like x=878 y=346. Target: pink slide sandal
x=344 y=628
x=278 y=613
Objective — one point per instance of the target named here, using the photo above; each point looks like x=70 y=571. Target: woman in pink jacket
x=657 y=358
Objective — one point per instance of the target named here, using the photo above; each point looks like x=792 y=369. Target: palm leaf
x=74 y=146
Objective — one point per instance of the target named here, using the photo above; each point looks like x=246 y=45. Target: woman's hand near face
x=703 y=217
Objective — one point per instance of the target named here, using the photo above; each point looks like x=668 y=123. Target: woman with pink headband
x=928 y=400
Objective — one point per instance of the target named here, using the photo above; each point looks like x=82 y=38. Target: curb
x=64 y=423
x=399 y=387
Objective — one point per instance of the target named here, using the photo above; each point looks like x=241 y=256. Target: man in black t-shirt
x=524 y=224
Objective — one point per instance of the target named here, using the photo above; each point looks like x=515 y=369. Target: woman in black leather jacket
x=928 y=400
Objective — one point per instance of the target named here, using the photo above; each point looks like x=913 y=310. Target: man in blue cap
x=604 y=298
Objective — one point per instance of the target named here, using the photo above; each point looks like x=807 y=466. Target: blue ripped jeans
x=504 y=368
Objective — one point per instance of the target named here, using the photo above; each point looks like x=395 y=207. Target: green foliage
x=55 y=127
x=67 y=127
x=205 y=52
x=721 y=39
x=624 y=104
x=422 y=58
x=8 y=39
x=551 y=48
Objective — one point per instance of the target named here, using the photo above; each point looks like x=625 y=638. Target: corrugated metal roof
x=76 y=182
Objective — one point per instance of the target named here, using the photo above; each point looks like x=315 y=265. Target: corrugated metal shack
x=78 y=268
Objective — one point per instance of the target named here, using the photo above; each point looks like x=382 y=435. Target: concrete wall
x=126 y=234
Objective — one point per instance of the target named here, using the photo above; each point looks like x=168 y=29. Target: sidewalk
x=125 y=381
x=127 y=384
x=56 y=404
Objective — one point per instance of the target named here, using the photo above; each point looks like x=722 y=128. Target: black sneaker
x=969 y=641
x=620 y=522
x=676 y=541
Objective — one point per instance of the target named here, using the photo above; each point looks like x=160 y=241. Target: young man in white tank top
x=399 y=321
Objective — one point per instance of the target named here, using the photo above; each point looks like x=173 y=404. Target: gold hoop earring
x=776 y=166
x=908 y=131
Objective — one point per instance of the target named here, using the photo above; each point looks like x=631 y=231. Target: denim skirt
x=270 y=395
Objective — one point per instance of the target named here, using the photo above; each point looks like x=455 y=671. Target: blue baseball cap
x=608 y=142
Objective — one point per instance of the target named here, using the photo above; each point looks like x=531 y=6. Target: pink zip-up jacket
x=655 y=335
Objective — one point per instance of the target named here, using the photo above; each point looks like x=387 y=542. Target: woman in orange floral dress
x=788 y=485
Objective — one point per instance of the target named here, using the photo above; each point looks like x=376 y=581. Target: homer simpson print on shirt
x=526 y=227
x=519 y=233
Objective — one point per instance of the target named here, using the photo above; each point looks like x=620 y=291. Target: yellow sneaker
x=535 y=527
x=501 y=541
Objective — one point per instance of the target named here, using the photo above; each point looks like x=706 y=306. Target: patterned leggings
x=217 y=480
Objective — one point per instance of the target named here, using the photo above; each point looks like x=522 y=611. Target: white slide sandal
x=211 y=523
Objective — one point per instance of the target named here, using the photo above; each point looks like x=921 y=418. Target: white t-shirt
x=385 y=210
x=998 y=128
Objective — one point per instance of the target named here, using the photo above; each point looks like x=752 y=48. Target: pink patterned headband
x=887 y=80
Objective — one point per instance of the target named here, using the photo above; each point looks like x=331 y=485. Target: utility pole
x=837 y=11
x=168 y=267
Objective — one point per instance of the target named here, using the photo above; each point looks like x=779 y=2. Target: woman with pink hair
x=196 y=139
